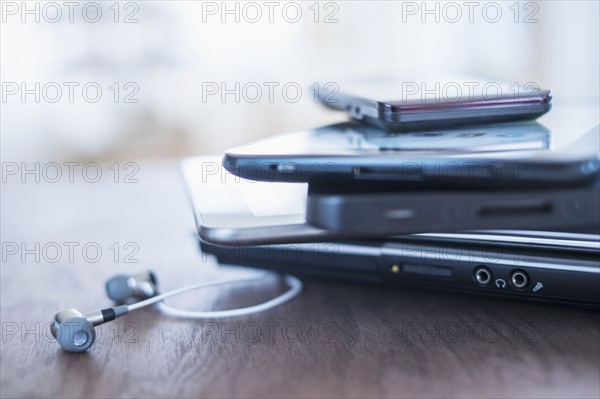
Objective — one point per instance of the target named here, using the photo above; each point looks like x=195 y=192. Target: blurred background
x=146 y=79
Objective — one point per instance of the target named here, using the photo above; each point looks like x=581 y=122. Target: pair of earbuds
x=75 y=331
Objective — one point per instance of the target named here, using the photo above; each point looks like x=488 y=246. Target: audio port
x=483 y=275
x=519 y=279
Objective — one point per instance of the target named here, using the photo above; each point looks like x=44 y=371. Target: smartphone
x=398 y=104
x=411 y=211
x=547 y=267
x=352 y=155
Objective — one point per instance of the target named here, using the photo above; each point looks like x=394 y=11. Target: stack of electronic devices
x=469 y=195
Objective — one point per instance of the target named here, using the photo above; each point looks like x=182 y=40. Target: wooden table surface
x=336 y=340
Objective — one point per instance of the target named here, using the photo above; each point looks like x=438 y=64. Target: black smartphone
x=398 y=104
x=351 y=154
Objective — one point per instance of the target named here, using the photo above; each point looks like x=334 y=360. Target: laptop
x=263 y=225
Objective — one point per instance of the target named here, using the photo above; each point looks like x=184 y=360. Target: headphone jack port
x=483 y=275
x=519 y=279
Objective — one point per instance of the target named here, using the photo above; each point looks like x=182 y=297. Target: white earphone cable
x=294 y=284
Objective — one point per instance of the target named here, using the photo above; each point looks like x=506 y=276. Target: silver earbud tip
x=73 y=331
x=119 y=288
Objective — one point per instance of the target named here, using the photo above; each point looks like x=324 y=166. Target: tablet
x=352 y=155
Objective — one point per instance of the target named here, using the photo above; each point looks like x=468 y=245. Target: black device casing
x=407 y=212
x=569 y=276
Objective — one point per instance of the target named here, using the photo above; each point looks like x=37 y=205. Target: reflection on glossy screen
x=351 y=138
x=224 y=200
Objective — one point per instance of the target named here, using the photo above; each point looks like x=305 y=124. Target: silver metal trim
x=531 y=240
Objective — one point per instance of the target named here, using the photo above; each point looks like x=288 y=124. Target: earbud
x=125 y=288
x=75 y=331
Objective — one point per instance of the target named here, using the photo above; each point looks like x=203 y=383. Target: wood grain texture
x=336 y=340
